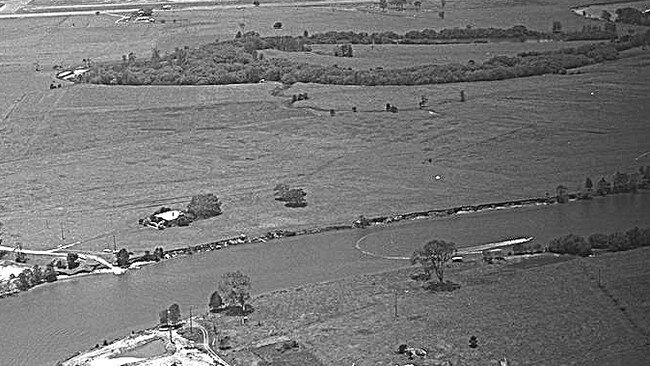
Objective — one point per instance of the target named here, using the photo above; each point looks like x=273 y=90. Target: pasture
x=542 y=311
x=84 y=162
x=402 y=56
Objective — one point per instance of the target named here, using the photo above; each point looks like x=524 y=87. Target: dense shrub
x=204 y=206
x=570 y=244
x=618 y=241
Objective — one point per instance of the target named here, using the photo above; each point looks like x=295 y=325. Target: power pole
x=395 y=304
x=170 y=329
x=190 y=319
x=599 y=283
x=114 y=244
x=62 y=236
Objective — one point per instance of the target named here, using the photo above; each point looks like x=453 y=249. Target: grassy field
x=397 y=56
x=89 y=161
x=542 y=311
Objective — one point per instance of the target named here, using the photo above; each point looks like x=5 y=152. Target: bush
x=570 y=244
x=204 y=206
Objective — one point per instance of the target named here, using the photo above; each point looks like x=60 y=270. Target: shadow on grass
x=446 y=286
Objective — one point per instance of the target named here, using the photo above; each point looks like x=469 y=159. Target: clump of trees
x=344 y=50
x=293 y=197
x=215 y=303
x=30 y=277
x=204 y=206
x=618 y=241
x=621 y=182
x=73 y=260
x=235 y=288
x=433 y=258
x=632 y=16
x=123 y=258
x=170 y=317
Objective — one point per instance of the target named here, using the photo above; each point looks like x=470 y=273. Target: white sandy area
x=118 y=361
x=7 y=270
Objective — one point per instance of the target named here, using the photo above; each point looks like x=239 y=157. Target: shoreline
x=431 y=214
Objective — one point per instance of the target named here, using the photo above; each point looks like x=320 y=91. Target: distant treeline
x=618 y=241
x=429 y=36
x=238 y=61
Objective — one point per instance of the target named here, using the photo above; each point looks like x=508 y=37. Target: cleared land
x=401 y=56
x=544 y=311
x=91 y=160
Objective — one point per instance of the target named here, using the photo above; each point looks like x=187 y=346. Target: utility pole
x=114 y=244
x=62 y=236
x=599 y=283
x=395 y=304
x=190 y=319
x=170 y=329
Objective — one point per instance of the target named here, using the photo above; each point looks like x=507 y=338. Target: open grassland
x=542 y=311
x=402 y=56
x=90 y=160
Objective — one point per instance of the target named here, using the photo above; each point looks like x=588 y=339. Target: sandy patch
x=7 y=269
x=114 y=361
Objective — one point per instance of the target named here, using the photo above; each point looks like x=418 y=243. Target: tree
x=49 y=274
x=235 y=287
x=204 y=206
x=417 y=4
x=20 y=257
x=603 y=187
x=620 y=182
x=398 y=4
x=557 y=27
x=24 y=283
x=122 y=258
x=164 y=317
x=216 y=302
x=159 y=253
x=589 y=184
x=570 y=244
x=606 y=16
x=174 y=314
x=37 y=274
x=433 y=257
x=383 y=4
x=561 y=192
x=73 y=260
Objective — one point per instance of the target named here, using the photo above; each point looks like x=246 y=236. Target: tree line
x=220 y=63
x=617 y=241
x=29 y=278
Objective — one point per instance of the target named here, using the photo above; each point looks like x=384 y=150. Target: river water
x=51 y=322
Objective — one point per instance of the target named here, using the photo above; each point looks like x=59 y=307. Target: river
x=50 y=322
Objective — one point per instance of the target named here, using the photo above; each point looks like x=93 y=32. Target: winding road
x=56 y=252
x=206 y=343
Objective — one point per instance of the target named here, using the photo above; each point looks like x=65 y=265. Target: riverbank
x=536 y=309
x=9 y=286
